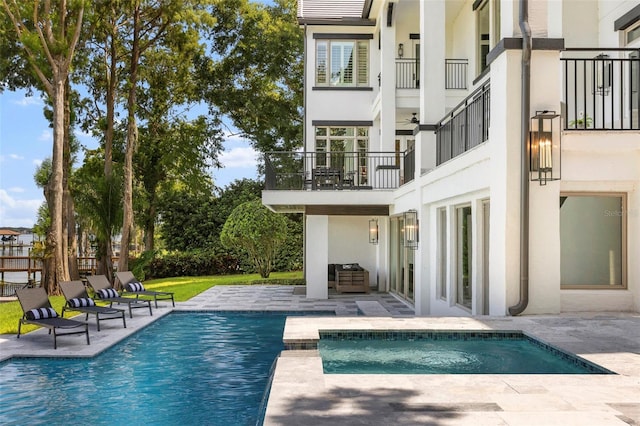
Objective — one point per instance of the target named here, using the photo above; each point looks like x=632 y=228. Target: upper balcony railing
x=337 y=170
x=465 y=127
x=408 y=73
x=455 y=73
x=601 y=89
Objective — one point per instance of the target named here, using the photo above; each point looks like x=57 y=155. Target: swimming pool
x=186 y=368
x=445 y=352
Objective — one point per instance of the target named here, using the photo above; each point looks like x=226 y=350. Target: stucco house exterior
x=477 y=157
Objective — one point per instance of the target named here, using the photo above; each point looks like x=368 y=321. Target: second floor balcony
x=408 y=73
x=313 y=171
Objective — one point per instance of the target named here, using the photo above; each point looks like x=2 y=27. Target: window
x=342 y=148
x=488 y=30
x=342 y=63
x=632 y=34
x=464 y=261
x=593 y=241
x=442 y=253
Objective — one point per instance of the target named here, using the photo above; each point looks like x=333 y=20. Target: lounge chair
x=37 y=310
x=79 y=301
x=105 y=292
x=133 y=286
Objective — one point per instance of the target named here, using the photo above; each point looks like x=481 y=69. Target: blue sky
x=26 y=139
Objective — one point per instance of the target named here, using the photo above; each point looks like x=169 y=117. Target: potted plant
x=582 y=122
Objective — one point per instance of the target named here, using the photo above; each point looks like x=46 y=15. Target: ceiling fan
x=412 y=120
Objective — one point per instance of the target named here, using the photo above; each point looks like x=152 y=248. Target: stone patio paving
x=303 y=395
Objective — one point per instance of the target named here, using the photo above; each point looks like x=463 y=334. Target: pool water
x=445 y=353
x=186 y=368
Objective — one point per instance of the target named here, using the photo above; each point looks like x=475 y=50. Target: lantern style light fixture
x=400 y=50
x=411 y=231
x=373 y=231
x=544 y=147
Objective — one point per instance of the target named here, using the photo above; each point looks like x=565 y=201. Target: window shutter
x=363 y=63
x=321 y=62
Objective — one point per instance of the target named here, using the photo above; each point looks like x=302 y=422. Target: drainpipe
x=524 y=160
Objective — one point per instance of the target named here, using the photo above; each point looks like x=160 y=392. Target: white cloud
x=46 y=136
x=29 y=100
x=37 y=162
x=16 y=157
x=16 y=189
x=16 y=212
x=239 y=157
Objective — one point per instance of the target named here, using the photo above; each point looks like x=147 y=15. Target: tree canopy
x=131 y=73
x=257 y=230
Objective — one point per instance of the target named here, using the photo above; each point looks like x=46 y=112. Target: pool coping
x=302 y=394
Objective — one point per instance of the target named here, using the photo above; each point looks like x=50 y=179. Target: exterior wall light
x=411 y=230
x=373 y=231
x=545 y=147
x=400 y=50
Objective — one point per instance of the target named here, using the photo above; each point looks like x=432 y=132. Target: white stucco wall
x=317 y=256
x=349 y=243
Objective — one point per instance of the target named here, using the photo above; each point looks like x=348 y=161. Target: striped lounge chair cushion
x=135 y=286
x=41 y=313
x=79 y=302
x=107 y=293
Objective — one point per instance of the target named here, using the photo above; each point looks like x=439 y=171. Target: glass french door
x=464 y=260
x=402 y=260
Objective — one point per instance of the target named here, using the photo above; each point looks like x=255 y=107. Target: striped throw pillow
x=107 y=293
x=79 y=302
x=135 y=286
x=41 y=313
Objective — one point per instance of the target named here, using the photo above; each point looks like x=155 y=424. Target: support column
x=317 y=256
x=544 y=211
x=504 y=143
x=387 y=83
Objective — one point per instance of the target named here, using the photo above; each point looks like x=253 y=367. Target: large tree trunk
x=69 y=224
x=105 y=262
x=55 y=236
x=132 y=138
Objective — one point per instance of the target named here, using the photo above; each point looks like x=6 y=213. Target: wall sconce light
x=603 y=71
x=411 y=231
x=544 y=147
x=373 y=231
x=400 y=50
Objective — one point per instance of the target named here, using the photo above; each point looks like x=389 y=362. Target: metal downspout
x=524 y=160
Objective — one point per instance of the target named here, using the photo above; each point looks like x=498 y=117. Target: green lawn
x=184 y=288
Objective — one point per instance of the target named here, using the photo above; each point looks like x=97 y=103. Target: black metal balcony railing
x=407 y=73
x=601 y=88
x=465 y=127
x=337 y=170
x=456 y=73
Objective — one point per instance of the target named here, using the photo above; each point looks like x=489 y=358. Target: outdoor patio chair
x=79 y=301
x=105 y=292
x=37 y=310
x=133 y=286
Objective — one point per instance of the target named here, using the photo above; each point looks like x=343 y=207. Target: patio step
x=372 y=308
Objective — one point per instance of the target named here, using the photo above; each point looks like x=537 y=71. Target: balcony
x=408 y=73
x=601 y=89
x=465 y=127
x=456 y=74
x=321 y=171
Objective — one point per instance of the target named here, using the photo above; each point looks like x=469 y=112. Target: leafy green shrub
x=192 y=263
